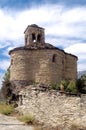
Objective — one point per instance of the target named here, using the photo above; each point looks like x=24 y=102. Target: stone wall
x=54 y=109
x=71 y=67
x=42 y=65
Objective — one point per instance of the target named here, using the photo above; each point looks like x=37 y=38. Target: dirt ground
x=11 y=123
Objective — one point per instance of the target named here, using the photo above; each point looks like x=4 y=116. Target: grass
x=6 y=109
x=27 y=119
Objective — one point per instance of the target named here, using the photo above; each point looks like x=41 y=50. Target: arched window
x=11 y=61
x=39 y=38
x=54 y=58
x=33 y=37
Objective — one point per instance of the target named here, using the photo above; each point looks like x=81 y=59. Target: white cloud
x=81 y=66
x=80 y=51
x=57 y=20
x=1 y=79
x=77 y=48
x=4 y=64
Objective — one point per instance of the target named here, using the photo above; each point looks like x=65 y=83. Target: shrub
x=64 y=83
x=6 y=89
x=27 y=119
x=55 y=86
x=6 y=109
x=6 y=85
x=81 y=86
x=72 y=87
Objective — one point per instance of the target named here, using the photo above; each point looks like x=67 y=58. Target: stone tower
x=34 y=34
x=40 y=62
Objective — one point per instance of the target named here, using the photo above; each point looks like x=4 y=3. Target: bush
x=55 y=86
x=64 y=83
x=6 y=89
x=6 y=85
x=81 y=86
x=6 y=109
x=72 y=87
x=27 y=119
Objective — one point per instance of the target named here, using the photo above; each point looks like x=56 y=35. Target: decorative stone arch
x=33 y=37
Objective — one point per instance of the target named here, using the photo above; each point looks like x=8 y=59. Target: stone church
x=41 y=62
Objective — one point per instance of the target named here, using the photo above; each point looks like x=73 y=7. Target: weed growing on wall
x=6 y=109
x=27 y=118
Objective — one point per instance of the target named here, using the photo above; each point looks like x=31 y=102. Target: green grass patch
x=6 y=109
x=27 y=119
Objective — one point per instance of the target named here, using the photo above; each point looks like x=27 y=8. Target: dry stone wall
x=54 y=109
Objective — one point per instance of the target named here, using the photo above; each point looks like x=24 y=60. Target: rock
x=53 y=108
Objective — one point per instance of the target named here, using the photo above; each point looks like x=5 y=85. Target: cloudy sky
x=64 y=22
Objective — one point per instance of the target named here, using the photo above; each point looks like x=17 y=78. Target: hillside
x=80 y=73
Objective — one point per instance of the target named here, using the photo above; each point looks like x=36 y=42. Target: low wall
x=53 y=108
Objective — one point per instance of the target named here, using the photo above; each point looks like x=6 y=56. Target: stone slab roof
x=39 y=46
x=33 y=25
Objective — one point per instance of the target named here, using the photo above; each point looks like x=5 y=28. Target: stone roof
x=39 y=46
x=33 y=25
x=34 y=46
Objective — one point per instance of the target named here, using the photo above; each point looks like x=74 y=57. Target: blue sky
x=64 y=22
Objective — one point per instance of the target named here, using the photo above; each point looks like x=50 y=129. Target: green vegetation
x=6 y=89
x=7 y=75
x=64 y=86
x=64 y=83
x=55 y=86
x=72 y=87
x=81 y=84
x=6 y=85
x=6 y=109
x=27 y=119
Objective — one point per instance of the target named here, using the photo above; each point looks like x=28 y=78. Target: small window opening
x=62 y=61
x=11 y=61
x=54 y=58
x=39 y=38
x=33 y=37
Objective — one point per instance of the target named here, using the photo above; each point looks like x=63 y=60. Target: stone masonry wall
x=54 y=109
x=70 y=67
x=38 y=66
